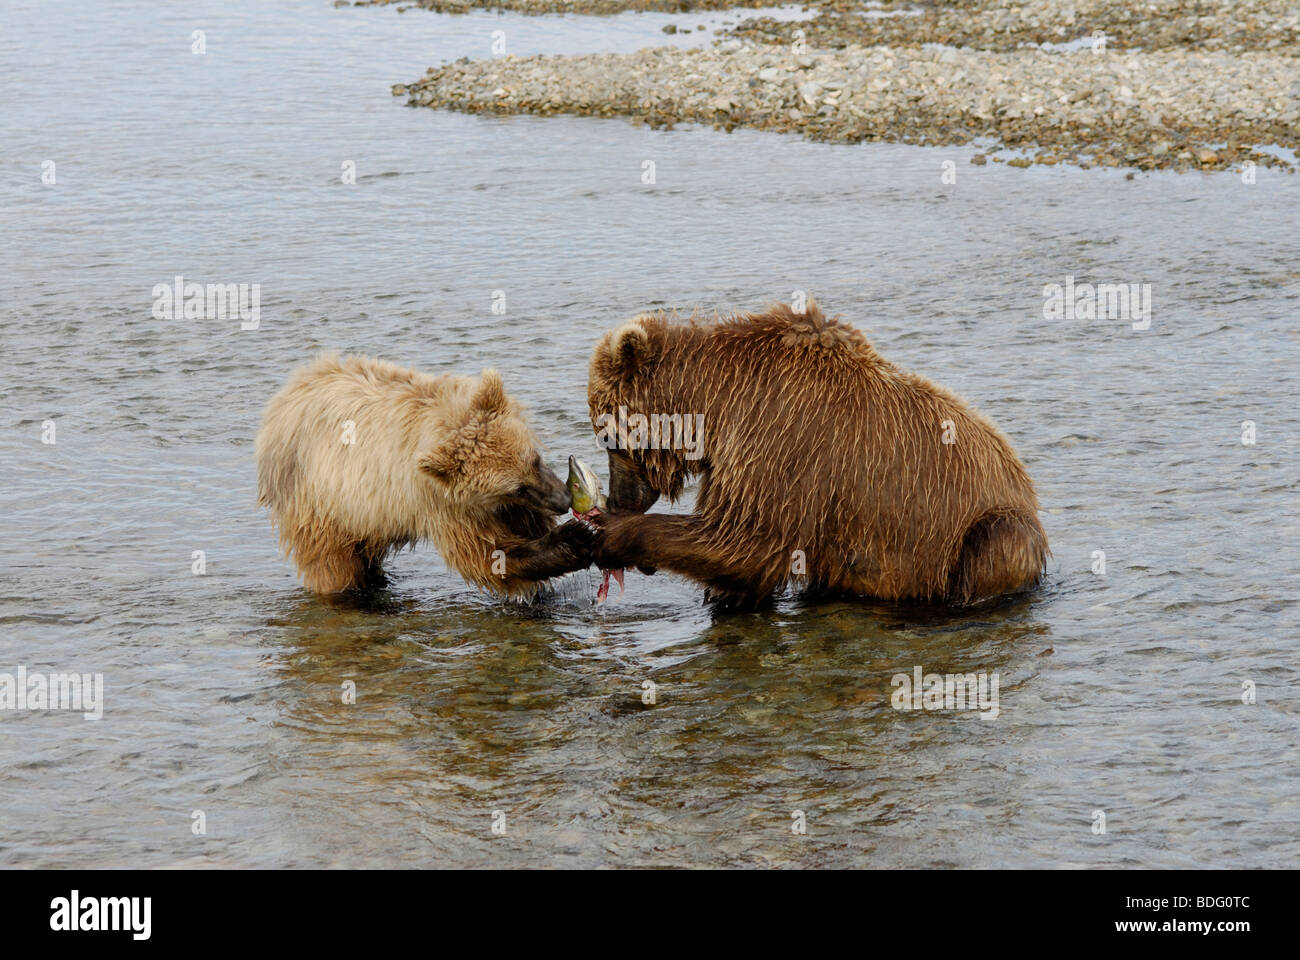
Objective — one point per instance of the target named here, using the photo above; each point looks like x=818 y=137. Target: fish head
x=584 y=488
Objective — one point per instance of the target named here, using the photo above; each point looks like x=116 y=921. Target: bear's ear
x=490 y=397
x=440 y=463
x=629 y=349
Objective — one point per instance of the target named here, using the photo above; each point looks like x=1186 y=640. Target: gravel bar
x=1173 y=108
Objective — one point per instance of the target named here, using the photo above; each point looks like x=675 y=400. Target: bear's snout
x=552 y=494
x=629 y=490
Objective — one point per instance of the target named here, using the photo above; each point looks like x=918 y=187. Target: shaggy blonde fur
x=815 y=443
x=431 y=459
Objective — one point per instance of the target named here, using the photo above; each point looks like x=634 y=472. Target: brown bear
x=821 y=465
x=357 y=457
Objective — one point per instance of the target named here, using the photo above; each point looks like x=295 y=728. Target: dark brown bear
x=822 y=465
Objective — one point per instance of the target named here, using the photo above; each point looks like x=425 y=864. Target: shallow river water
x=1120 y=693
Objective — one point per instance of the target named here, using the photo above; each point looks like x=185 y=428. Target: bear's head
x=634 y=392
x=482 y=454
x=654 y=382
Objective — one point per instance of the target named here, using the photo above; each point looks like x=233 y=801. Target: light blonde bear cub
x=358 y=457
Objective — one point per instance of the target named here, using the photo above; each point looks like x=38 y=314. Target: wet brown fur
x=814 y=442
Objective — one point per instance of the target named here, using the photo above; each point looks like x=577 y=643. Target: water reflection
x=470 y=709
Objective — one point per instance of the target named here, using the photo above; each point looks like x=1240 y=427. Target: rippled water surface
x=1119 y=693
